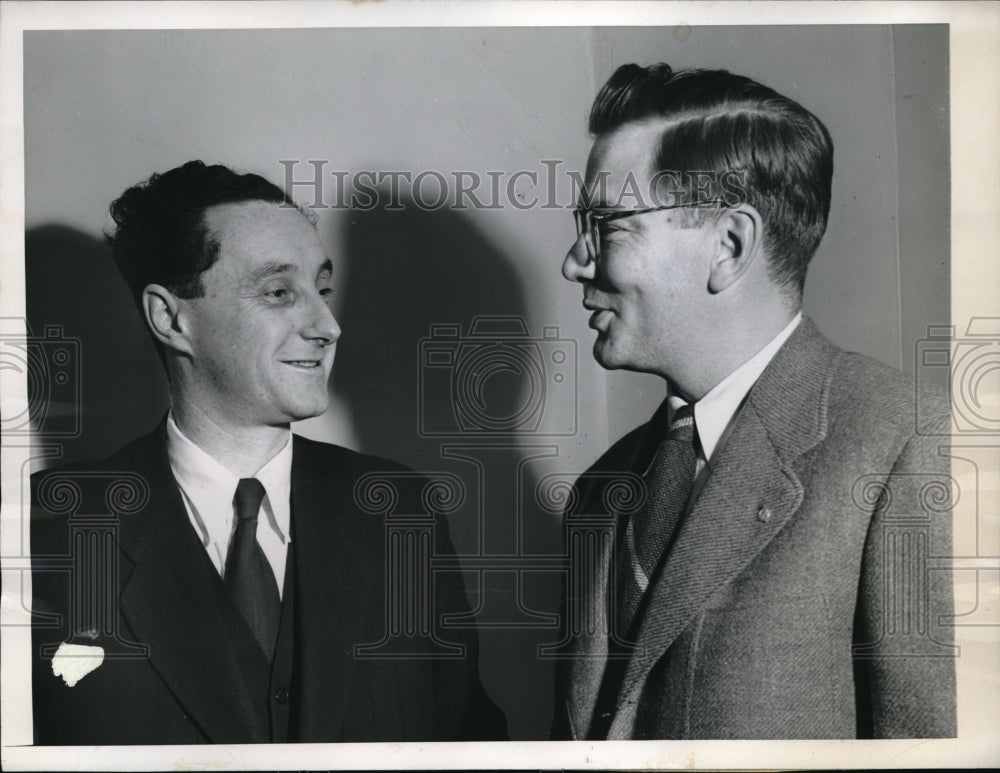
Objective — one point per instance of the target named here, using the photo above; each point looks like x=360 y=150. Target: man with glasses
x=774 y=580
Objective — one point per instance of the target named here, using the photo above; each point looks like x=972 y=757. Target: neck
x=734 y=340
x=241 y=450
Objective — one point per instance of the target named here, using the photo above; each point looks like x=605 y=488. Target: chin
x=611 y=357
x=311 y=413
x=605 y=355
x=307 y=410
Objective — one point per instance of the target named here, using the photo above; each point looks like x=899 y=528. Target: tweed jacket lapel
x=590 y=650
x=751 y=494
x=591 y=647
x=170 y=597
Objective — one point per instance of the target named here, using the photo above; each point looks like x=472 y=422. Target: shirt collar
x=714 y=412
x=276 y=475
x=210 y=486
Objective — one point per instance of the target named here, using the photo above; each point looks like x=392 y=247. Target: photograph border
x=975 y=196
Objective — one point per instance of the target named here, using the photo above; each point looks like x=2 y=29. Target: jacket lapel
x=170 y=598
x=751 y=494
x=721 y=535
x=591 y=650
x=333 y=566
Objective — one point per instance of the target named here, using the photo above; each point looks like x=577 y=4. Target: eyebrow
x=268 y=270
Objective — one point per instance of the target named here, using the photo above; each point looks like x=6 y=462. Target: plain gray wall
x=103 y=110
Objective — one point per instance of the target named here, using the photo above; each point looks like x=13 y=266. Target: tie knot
x=249 y=495
x=682 y=426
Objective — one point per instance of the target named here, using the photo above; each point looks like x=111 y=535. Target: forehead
x=626 y=156
x=251 y=233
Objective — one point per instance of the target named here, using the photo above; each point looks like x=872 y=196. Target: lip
x=307 y=364
x=591 y=305
x=600 y=319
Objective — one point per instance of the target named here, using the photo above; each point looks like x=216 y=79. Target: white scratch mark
x=74 y=661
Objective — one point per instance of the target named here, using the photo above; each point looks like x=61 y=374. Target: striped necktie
x=650 y=531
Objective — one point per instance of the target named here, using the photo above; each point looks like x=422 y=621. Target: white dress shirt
x=208 y=488
x=714 y=413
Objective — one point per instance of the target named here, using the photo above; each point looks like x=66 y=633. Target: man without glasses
x=763 y=589
x=250 y=573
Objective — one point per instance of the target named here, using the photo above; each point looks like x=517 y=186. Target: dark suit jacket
x=807 y=591
x=188 y=686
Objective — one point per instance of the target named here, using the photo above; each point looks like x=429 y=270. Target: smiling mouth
x=308 y=364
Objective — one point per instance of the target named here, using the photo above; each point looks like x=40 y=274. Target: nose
x=320 y=325
x=578 y=265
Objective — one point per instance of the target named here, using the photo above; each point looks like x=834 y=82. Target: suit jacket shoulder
x=883 y=395
x=317 y=453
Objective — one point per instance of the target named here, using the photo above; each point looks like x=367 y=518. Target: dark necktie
x=650 y=531
x=249 y=577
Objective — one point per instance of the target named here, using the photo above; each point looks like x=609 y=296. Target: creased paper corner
x=74 y=661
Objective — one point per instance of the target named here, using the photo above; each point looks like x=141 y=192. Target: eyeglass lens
x=587 y=227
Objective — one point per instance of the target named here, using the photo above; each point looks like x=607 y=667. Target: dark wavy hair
x=723 y=123
x=160 y=235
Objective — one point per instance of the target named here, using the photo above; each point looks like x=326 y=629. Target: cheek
x=650 y=300
x=654 y=314
x=242 y=360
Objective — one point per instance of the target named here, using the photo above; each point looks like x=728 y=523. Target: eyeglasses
x=588 y=222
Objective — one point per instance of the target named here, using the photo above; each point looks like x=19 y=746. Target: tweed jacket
x=806 y=594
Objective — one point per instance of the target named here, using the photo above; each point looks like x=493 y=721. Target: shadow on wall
x=116 y=389
x=429 y=386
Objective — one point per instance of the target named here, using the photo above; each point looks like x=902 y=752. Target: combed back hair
x=719 y=123
x=160 y=235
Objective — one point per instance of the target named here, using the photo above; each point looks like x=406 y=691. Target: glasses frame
x=588 y=222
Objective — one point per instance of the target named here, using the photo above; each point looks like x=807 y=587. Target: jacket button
x=281 y=695
x=763 y=514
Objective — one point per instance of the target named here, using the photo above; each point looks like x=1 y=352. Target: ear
x=740 y=231
x=164 y=314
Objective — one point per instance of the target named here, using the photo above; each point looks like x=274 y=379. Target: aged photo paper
x=440 y=147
